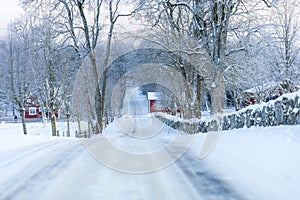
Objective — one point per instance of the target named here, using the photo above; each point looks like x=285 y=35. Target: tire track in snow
x=205 y=181
x=38 y=174
x=26 y=151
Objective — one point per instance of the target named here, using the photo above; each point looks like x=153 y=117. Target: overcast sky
x=9 y=10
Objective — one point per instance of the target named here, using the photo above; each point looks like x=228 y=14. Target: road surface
x=67 y=169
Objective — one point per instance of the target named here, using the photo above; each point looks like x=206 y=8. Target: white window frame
x=32 y=110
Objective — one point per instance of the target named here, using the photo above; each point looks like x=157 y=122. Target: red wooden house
x=155 y=102
x=33 y=110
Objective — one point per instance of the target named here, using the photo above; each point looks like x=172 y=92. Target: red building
x=33 y=110
x=155 y=102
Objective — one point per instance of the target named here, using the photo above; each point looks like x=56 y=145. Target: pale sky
x=9 y=10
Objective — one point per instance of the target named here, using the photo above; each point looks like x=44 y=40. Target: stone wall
x=283 y=111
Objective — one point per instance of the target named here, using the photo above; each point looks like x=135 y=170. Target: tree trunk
x=68 y=125
x=23 y=122
x=235 y=101
x=197 y=111
x=98 y=94
x=217 y=93
x=105 y=64
x=53 y=124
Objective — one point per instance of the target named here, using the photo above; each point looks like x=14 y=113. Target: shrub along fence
x=283 y=111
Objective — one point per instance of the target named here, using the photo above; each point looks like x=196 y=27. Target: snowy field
x=256 y=163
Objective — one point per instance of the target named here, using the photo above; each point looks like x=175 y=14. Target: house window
x=32 y=111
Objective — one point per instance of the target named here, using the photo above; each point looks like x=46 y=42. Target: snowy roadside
x=36 y=128
x=261 y=163
x=11 y=134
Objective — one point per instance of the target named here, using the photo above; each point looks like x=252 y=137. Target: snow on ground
x=257 y=163
x=12 y=136
x=43 y=167
x=263 y=163
x=36 y=128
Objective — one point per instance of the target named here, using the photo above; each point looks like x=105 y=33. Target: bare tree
x=5 y=101
x=285 y=37
x=207 y=23
x=53 y=68
x=19 y=68
x=210 y=24
x=174 y=36
x=81 y=22
x=268 y=64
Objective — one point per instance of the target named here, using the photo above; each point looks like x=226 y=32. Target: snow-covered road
x=257 y=163
x=27 y=171
x=66 y=169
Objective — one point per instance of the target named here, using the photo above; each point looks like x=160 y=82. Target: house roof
x=154 y=96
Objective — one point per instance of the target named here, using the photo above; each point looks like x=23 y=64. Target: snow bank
x=260 y=162
x=36 y=128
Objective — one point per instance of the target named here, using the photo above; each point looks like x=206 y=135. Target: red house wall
x=33 y=103
x=38 y=114
x=153 y=106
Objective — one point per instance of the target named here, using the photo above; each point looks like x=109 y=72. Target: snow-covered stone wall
x=283 y=111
